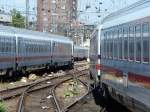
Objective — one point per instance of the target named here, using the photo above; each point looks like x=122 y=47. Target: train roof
x=133 y=12
x=34 y=34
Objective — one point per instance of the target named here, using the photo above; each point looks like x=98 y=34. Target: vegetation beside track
x=2 y=107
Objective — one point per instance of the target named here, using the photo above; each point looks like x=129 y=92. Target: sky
x=87 y=16
x=110 y=5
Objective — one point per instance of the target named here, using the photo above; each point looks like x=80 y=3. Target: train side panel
x=24 y=50
x=80 y=53
x=33 y=52
x=7 y=51
x=62 y=53
x=125 y=49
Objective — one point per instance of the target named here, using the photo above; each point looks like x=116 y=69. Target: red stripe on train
x=11 y=59
x=113 y=71
x=141 y=79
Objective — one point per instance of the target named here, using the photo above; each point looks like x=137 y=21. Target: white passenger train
x=24 y=50
x=120 y=56
x=80 y=53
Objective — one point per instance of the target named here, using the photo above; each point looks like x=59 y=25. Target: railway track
x=16 y=91
x=80 y=64
x=34 y=96
x=92 y=102
x=12 y=96
x=59 y=107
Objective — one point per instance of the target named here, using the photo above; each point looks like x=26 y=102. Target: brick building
x=55 y=15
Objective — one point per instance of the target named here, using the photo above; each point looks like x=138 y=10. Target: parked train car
x=120 y=56
x=80 y=53
x=24 y=50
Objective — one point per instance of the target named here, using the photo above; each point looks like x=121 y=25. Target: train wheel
x=23 y=71
x=105 y=92
x=47 y=67
x=55 y=68
x=9 y=73
x=70 y=66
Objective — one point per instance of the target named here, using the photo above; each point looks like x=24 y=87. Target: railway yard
x=63 y=91
x=74 y=56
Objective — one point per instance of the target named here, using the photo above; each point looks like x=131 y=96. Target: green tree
x=17 y=19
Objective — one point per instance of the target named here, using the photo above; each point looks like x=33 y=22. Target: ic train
x=80 y=53
x=120 y=56
x=24 y=50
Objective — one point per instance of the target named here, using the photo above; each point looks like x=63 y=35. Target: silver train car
x=24 y=50
x=80 y=53
x=120 y=56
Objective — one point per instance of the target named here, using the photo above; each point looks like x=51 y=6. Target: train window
x=120 y=33
x=131 y=43
x=120 y=49
x=138 y=42
x=138 y=30
x=8 y=47
x=120 y=43
x=105 y=44
x=111 y=49
x=145 y=28
x=131 y=50
x=115 y=48
x=1 y=46
x=145 y=42
x=131 y=31
x=125 y=49
x=19 y=45
x=125 y=31
x=145 y=50
x=111 y=44
x=105 y=48
x=125 y=42
x=138 y=51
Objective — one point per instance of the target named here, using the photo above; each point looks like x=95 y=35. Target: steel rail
x=57 y=102
x=28 y=89
x=78 y=100
x=17 y=91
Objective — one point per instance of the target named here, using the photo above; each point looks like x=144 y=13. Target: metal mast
x=27 y=14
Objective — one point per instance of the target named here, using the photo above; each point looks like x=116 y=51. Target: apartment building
x=55 y=15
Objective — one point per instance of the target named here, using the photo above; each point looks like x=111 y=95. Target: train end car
x=62 y=51
x=80 y=53
x=7 y=51
x=23 y=51
x=123 y=50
